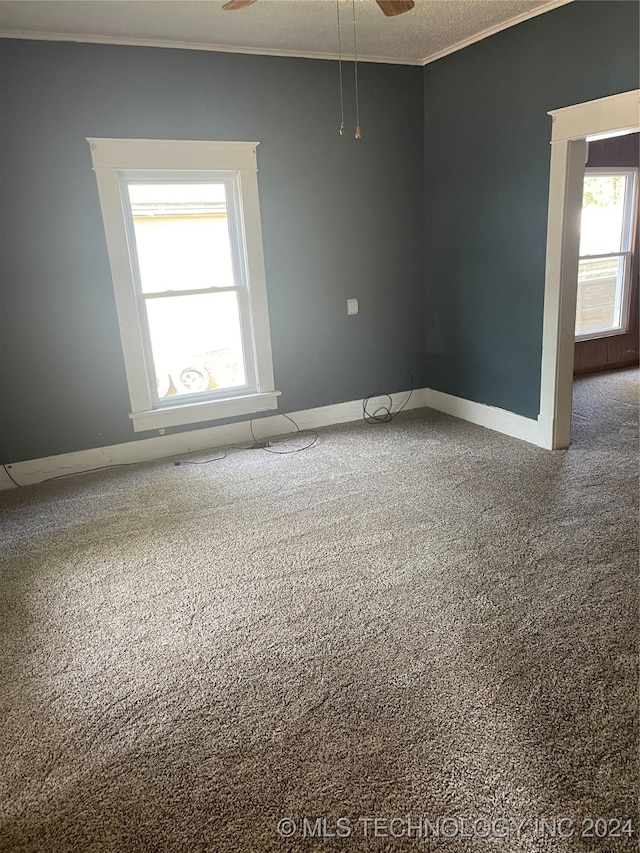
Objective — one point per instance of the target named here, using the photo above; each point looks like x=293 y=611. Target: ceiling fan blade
x=233 y=5
x=395 y=7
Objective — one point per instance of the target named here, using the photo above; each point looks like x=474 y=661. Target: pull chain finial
x=342 y=128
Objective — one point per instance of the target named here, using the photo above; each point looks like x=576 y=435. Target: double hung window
x=183 y=232
x=604 y=270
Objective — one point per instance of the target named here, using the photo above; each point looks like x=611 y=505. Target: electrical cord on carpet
x=268 y=446
x=89 y=471
x=8 y=473
x=70 y=474
x=383 y=414
x=258 y=444
x=204 y=461
x=262 y=444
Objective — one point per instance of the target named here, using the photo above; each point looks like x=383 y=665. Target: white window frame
x=115 y=163
x=626 y=237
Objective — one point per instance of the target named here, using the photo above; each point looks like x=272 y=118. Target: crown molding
x=81 y=38
x=184 y=45
x=491 y=31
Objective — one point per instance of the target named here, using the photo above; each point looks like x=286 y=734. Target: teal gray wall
x=435 y=221
x=340 y=219
x=487 y=156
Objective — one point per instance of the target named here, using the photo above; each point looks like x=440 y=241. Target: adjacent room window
x=604 y=270
x=183 y=231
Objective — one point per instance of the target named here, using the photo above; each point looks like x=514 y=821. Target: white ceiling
x=282 y=27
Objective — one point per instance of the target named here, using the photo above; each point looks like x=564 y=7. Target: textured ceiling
x=285 y=27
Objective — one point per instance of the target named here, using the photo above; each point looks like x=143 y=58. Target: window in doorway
x=604 y=269
x=183 y=231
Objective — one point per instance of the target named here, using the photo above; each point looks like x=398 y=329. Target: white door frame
x=571 y=127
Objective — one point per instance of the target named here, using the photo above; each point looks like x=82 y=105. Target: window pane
x=196 y=343
x=182 y=236
x=600 y=295
x=602 y=214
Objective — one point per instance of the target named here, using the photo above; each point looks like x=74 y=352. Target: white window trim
x=111 y=159
x=626 y=237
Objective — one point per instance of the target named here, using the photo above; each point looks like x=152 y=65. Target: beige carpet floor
x=422 y=620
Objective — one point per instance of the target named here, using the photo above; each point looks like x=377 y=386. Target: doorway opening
x=572 y=127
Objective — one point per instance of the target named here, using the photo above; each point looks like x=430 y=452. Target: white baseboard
x=491 y=417
x=5 y=480
x=161 y=446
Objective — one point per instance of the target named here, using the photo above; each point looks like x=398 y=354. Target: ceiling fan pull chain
x=358 y=133
x=342 y=129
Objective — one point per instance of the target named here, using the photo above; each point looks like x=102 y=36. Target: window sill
x=595 y=336
x=209 y=410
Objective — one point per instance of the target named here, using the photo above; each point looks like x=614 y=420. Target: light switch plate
x=352 y=306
